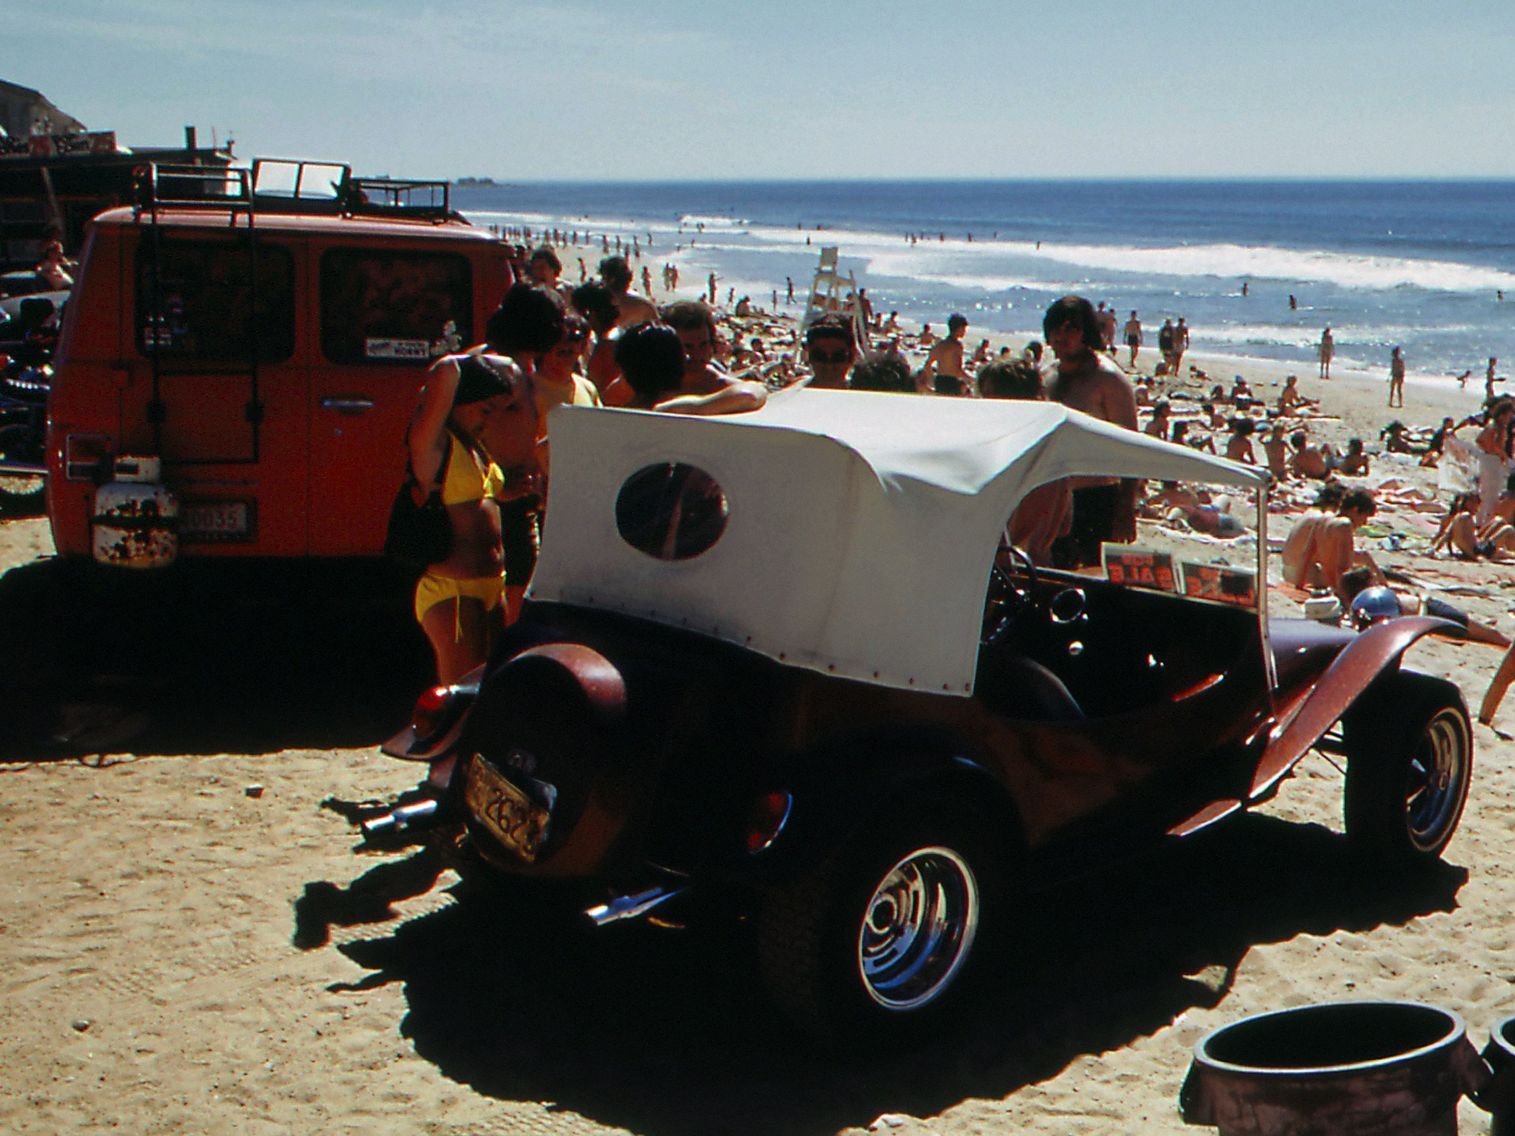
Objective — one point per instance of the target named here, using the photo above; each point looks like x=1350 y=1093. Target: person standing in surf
x=1396 y=377
x=1327 y=350
x=1133 y=332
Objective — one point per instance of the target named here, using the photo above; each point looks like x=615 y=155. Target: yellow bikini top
x=465 y=479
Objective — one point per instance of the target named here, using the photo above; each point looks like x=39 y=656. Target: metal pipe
x=631 y=906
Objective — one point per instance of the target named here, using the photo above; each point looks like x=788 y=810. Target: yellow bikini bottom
x=432 y=589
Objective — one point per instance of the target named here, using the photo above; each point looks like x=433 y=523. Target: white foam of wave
x=981 y=283
x=980 y=264
x=1275 y=335
x=1345 y=270
x=711 y=221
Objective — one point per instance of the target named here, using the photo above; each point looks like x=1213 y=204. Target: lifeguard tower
x=832 y=292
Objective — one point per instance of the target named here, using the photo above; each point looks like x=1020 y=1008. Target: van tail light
x=86 y=457
x=769 y=814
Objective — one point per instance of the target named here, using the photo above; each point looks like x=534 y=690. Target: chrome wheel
x=918 y=928
x=1438 y=780
x=1409 y=766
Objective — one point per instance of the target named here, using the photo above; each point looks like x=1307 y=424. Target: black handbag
x=418 y=535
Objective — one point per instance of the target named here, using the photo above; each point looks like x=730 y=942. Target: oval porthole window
x=671 y=511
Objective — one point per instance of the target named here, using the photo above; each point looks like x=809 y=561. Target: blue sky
x=680 y=89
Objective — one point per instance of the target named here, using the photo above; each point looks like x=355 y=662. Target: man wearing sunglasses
x=830 y=350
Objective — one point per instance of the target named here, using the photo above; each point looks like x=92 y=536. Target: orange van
x=262 y=333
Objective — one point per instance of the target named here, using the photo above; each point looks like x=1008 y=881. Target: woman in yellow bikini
x=458 y=599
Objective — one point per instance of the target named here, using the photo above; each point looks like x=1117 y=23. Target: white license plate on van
x=216 y=520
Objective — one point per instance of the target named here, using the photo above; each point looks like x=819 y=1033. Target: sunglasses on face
x=842 y=355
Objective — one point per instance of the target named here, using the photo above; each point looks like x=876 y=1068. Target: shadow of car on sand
x=226 y=657
x=660 y=1030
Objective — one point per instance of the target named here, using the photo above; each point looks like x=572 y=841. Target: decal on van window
x=394 y=305
x=416 y=349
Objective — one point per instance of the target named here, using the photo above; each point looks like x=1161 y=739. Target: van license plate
x=511 y=817
x=215 y=521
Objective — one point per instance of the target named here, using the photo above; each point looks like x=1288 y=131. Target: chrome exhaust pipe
x=624 y=907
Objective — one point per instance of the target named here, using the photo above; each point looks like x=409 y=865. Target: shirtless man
x=1320 y=548
x=1044 y=514
x=695 y=324
x=1277 y=452
x=1290 y=401
x=631 y=307
x=56 y=269
x=652 y=359
x=1085 y=379
x=1239 y=444
x=1306 y=461
x=943 y=371
x=1133 y=333
x=1106 y=323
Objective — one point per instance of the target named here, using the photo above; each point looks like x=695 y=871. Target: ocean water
x=1420 y=264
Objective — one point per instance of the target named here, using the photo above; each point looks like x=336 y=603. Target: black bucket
x=1344 y=1069
x=1498 y=1096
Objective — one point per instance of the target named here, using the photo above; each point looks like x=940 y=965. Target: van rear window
x=394 y=306
x=202 y=303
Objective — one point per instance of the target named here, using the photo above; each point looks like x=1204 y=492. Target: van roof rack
x=280 y=185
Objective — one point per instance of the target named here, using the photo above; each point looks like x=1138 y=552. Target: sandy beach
x=189 y=943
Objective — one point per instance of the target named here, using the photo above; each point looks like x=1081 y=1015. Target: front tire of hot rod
x=888 y=934
x=1409 y=766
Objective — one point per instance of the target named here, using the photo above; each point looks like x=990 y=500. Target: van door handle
x=346 y=404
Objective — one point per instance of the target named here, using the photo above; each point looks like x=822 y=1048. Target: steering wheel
x=1011 y=592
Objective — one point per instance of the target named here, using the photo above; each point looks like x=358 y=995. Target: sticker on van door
x=397 y=349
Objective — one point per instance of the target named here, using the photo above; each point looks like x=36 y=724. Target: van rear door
x=386 y=310
x=218 y=384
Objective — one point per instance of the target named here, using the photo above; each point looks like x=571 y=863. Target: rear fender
x=840 y=794
x=428 y=737
x=1302 y=722
x=599 y=680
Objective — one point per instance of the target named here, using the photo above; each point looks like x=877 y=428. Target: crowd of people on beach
x=480 y=434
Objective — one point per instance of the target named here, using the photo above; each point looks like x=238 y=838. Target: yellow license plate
x=513 y=818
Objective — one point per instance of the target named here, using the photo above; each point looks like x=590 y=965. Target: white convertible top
x=861 y=526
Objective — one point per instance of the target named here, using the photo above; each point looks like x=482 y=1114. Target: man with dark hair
x=593 y=301
x=831 y=351
x=694 y=322
x=546 y=271
x=528 y=322
x=631 y=307
x=652 y=362
x=884 y=371
x=1044 y=515
x=544 y=266
x=943 y=371
x=1010 y=378
x=1104 y=509
x=1320 y=549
